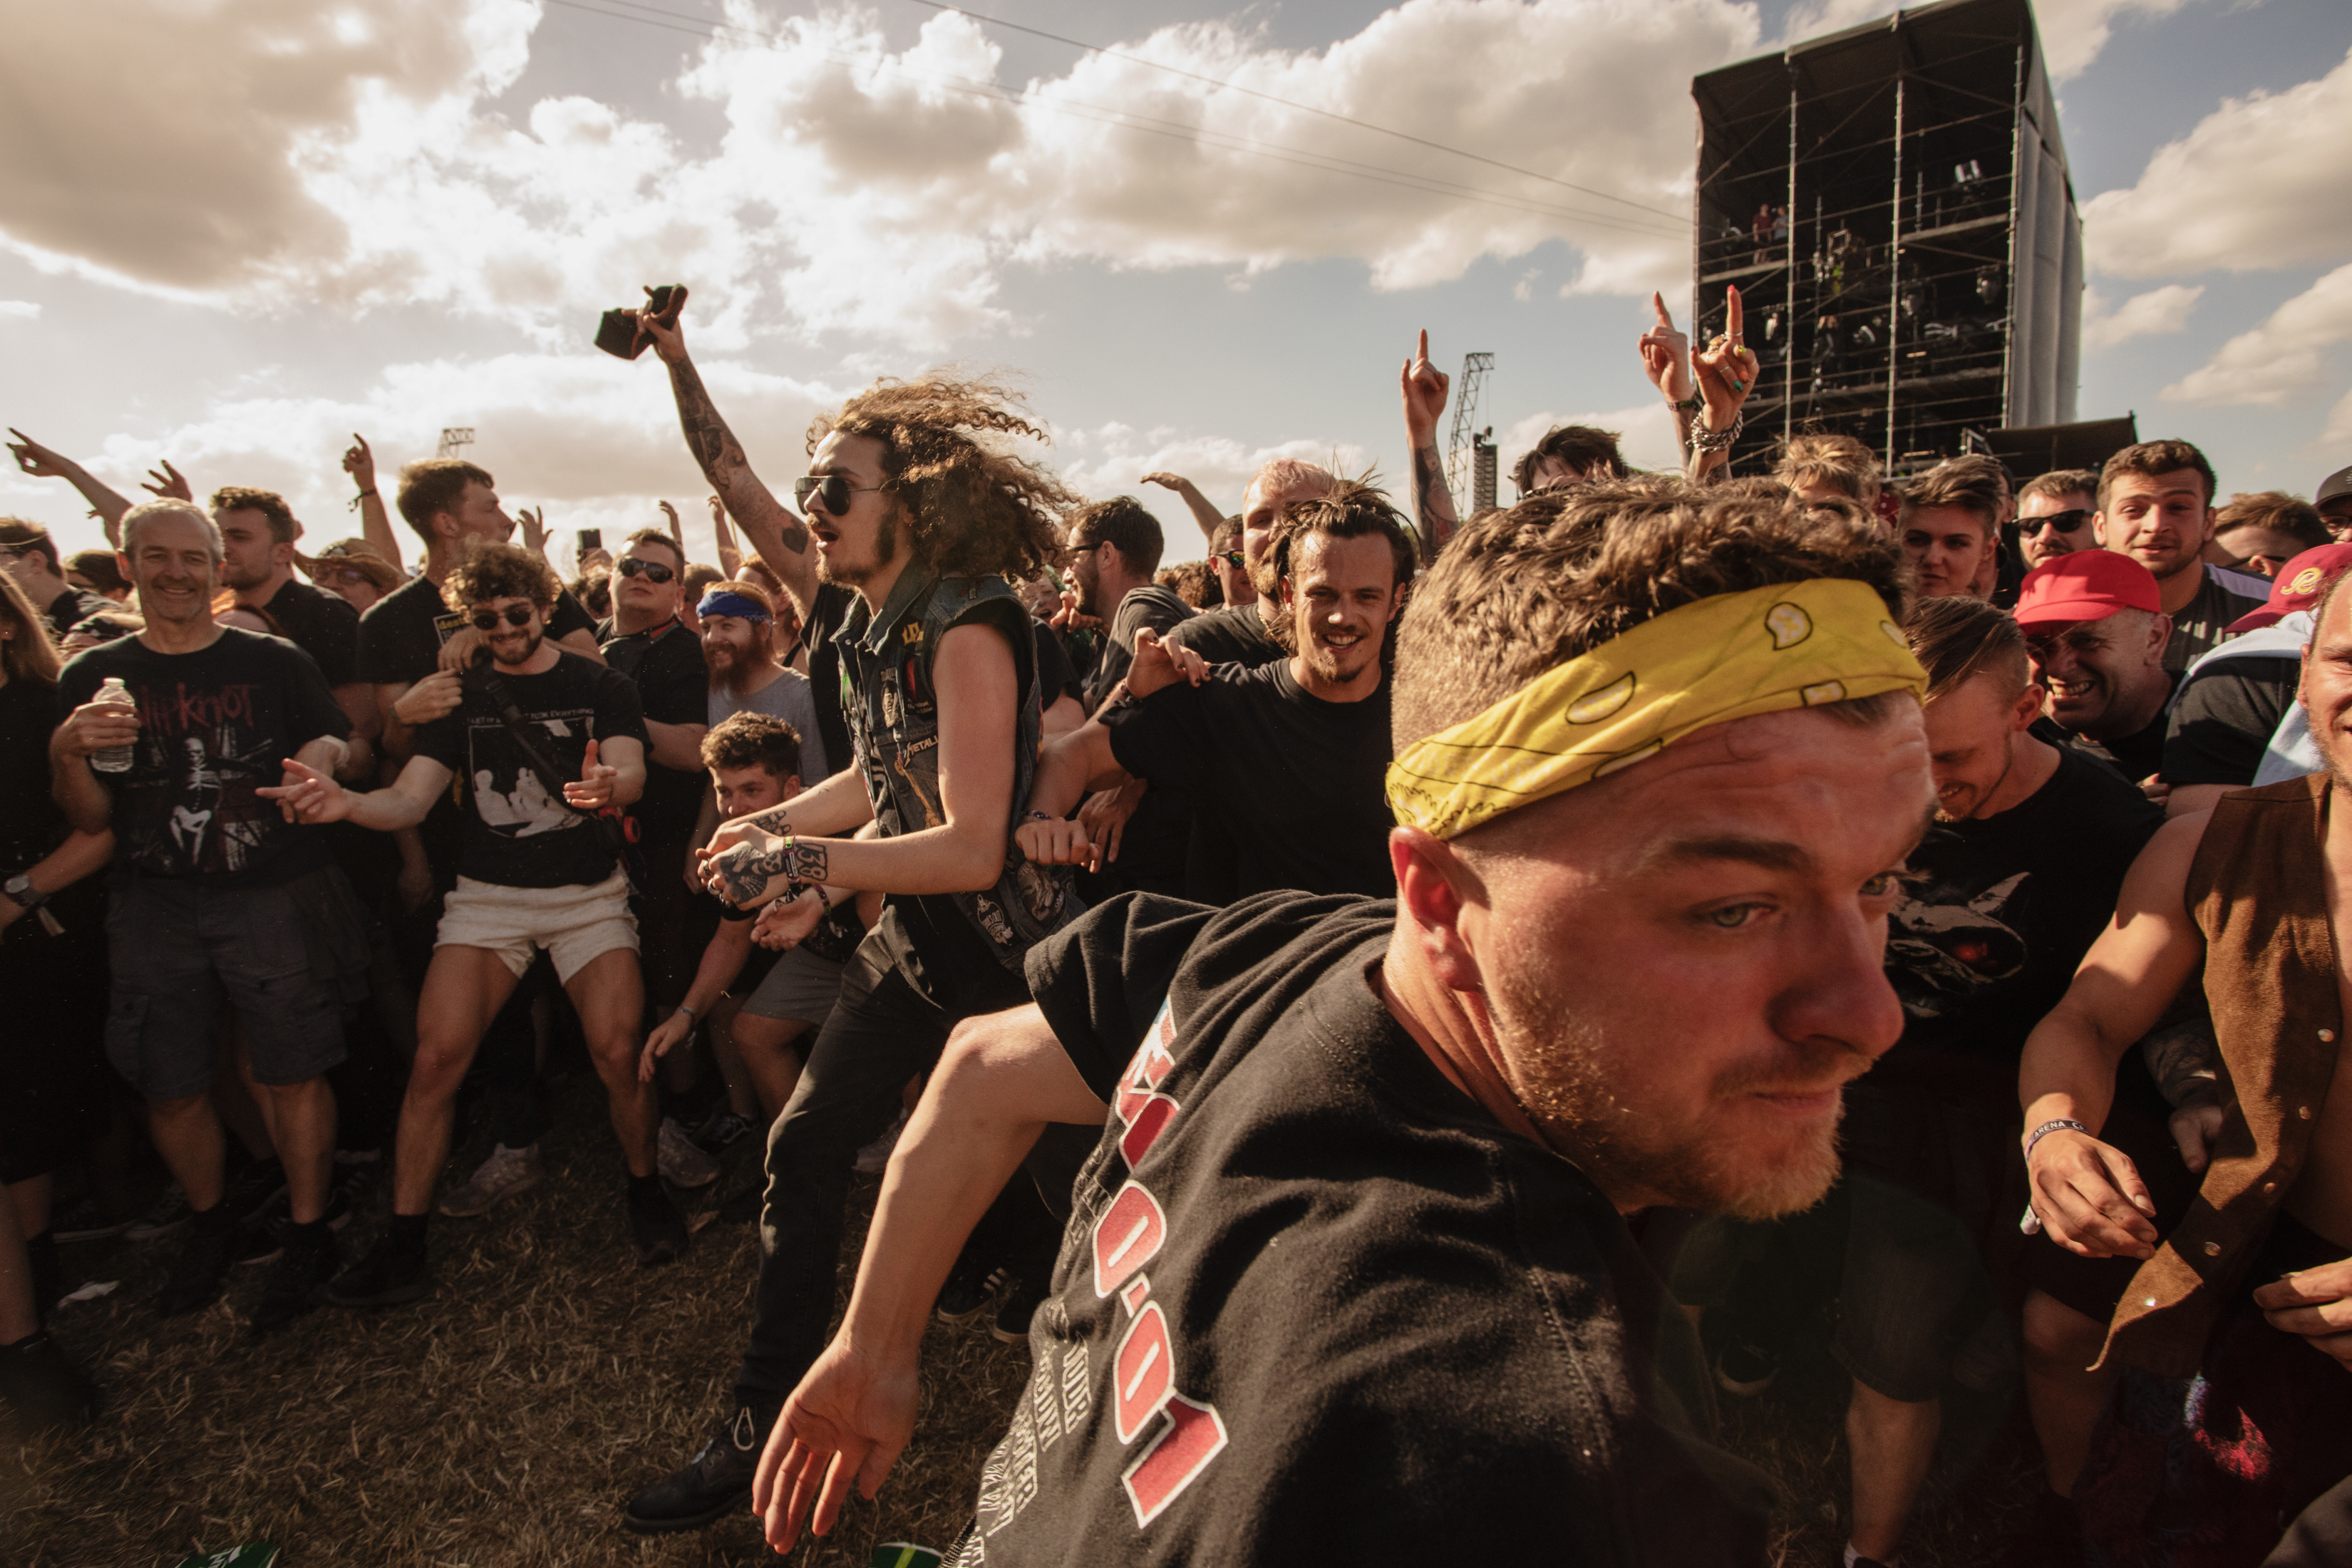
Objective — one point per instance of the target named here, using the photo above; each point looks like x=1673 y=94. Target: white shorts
x=576 y=925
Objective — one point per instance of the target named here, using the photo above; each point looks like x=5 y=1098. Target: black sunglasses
x=516 y=615
x=2065 y=521
x=832 y=492
x=631 y=566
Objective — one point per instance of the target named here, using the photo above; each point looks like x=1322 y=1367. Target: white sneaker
x=507 y=1172
x=876 y=1154
x=681 y=1161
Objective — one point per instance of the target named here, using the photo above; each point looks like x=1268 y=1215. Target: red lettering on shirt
x=1143 y=1373
x=1195 y=1434
x=1126 y=1238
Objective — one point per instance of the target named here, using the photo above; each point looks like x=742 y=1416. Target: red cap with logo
x=2086 y=585
x=2297 y=586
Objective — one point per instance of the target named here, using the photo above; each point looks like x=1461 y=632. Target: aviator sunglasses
x=516 y=615
x=832 y=492
x=1232 y=558
x=630 y=566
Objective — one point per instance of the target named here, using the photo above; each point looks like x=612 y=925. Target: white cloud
x=2072 y=31
x=1111 y=460
x=1646 y=432
x=18 y=309
x=2262 y=181
x=292 y=156
x=2279 y=362
x=2156 y=313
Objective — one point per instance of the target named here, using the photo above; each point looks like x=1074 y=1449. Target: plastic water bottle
x=113 y=759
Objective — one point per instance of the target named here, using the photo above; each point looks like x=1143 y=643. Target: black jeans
x=883 y=1031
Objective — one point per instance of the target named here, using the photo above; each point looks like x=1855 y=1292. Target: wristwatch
x=23 y=894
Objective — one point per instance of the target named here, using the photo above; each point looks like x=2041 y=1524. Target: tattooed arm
x=774 y=530
x=1424 y=386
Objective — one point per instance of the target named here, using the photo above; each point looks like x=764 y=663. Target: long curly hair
x=974 y=508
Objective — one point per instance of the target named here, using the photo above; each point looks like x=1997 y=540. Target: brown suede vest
x=2258 y=892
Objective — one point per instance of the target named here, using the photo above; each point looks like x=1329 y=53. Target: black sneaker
x=307 y=1262
x=713 y=1484
x=392 y=1272
x=654 y=1225
x=42 y=1390
x=1022 y=1300
x=968 y=1292
x=252 y=1190
x=216 y=1242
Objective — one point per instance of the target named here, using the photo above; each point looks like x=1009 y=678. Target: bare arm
x=1424 y=388
x=44 y=464
x=730 y=559
x=375 y=522
x=1002 y=1078
x=357 y=700
x=2089 y=1196
x=677 y=746
x=977 y=693
x=1206 y=515
x=778 y=534
x=88 y=803
x=81 y=854
x=309 y=793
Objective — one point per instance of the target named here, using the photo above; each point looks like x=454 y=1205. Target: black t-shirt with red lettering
x=1315 y=1306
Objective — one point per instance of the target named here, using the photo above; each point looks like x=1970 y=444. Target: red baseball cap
x=2297 y=586
x=2085 y=585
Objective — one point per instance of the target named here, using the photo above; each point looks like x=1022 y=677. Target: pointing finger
x=1666 y=318
x=1423 y=350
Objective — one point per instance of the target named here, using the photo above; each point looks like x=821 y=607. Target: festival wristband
x=1792 y=644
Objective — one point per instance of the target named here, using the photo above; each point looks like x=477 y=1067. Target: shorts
x=1914 y=1286
x=280 y=956
x=576 y=925
x=800 y=987
x=2092 y=1286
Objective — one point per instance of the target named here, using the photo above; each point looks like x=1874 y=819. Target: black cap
x=2334 y=486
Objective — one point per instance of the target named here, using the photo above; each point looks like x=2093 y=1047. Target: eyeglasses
x=516 y=615
x=2065 y=521
x=1233 y=558
x=631 y=566
x=832 y=492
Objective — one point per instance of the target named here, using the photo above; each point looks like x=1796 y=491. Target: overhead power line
x=1298 y=157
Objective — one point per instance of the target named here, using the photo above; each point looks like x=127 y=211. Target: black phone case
x=617 y=335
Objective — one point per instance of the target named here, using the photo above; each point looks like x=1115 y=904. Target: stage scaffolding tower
x=1892 y=202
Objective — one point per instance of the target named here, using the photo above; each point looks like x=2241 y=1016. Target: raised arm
x=1207 y=516
x=2089 y=1196
x=44 y=464
x=1001 y=1079
x=775 y=530
x=1726 y=371
x=730 y=559
x=1424 y=388
x=375 y=522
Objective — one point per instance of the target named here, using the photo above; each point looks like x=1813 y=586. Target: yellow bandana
x=1794 y=645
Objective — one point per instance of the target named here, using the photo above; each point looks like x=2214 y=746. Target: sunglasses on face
x=516 y=615
x=2065 y=521
x=1232 y=558
x=832 y=492
x=631 y=566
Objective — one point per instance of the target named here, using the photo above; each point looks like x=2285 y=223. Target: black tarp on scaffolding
x=1892 y=202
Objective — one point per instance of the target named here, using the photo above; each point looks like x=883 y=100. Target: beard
x=530 y=641
x=1565 y=1089
x=885 y=551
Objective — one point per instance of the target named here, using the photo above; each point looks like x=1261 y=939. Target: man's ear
x=2159 y=632
x=447 y=527
x=1436 y=890
x=2099 y=528
x=2028 y=707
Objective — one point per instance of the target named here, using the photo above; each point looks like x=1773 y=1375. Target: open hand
x=669 y=1033
x=1166 y=481
x=1666 y=355
x=167 y=482
x=308 y=796
x=360 y=462
x=594 y=790
x=1104 y=816
x=2314 y=1302
x=534 y=532
x=1424 y=388
x=847 y=1421
x=2090 y=1198
x=1159 y=665
x=785 y=923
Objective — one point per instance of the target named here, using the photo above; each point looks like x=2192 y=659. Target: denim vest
x=891 y=701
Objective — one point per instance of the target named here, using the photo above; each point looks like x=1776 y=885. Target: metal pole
x=2008 y=283
x=1789 y=264
x=1894 y=276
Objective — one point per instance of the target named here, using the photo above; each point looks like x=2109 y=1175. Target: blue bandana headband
x=720 y=602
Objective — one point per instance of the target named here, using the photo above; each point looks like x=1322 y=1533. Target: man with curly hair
x=918 y=516
x=547 y=740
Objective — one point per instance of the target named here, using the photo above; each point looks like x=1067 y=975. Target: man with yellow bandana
x=1353 y=1274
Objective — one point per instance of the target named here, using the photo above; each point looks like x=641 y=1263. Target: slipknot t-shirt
x=1314 y=1305
x=213 y=726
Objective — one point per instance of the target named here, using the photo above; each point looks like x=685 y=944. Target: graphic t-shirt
x=518 y=830
x=1234 y=634
x=1287 y=788
x=321 y=624
x=213 y=726
x=1997 y=917
x=1315 y=1306
x=665 y=664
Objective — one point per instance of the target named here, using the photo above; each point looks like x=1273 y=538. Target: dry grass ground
x=500 y=1422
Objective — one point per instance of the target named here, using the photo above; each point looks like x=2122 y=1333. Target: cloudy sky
x=234 y=231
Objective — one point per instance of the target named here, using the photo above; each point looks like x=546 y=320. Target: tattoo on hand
x=772 y=820
x=748 y=874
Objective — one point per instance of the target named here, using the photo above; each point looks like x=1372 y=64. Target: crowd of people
x=1402 y=1017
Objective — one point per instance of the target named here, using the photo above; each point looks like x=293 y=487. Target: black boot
x=216 y=1242
x=307 y=1262
x=714 y=1483
x=391 y=1272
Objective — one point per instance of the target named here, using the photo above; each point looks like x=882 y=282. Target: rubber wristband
x=2062 y=1124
